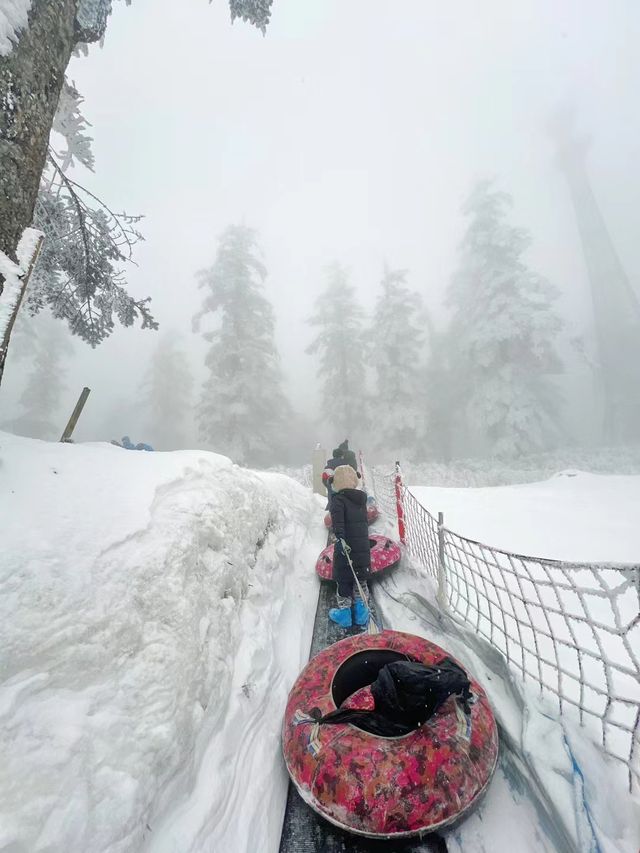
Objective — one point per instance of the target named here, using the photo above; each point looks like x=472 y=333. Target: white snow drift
x=154 y=611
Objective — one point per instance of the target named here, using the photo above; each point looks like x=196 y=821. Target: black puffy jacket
x=349 y=522
x=348 y=457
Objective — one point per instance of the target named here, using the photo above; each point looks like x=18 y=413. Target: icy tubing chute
x=385 y=553
x=385 y=787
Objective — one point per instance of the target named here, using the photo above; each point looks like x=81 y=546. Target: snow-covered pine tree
x=166 y=392
x=37 y=41
x=243 y=411
x=340 y=345
x=49 y=346
x=502 y=334
x=437 y=397
x=396 y=356
x=78 y=275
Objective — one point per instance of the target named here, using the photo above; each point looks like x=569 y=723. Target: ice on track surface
x=155 y=609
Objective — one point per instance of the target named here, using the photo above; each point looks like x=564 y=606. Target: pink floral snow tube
x=386 y=787
x=384 y=554
x=372 y=515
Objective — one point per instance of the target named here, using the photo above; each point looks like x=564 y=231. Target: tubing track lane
x=304 y=831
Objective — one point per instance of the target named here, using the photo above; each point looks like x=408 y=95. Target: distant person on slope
x=348 y=455
x=349 y=522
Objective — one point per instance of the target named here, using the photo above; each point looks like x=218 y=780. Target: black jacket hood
x=356 y=496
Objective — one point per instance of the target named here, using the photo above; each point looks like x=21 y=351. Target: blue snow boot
x=341 y=616
x=360 y=612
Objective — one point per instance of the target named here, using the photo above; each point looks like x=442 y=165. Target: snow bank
x=573 y=516
x=13 y=18
x=154 y=610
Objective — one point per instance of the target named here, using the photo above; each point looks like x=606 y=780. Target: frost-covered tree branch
x=79 y=275
x=37 y=40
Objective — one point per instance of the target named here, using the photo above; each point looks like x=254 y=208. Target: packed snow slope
x=155 y=609
x=573 y=516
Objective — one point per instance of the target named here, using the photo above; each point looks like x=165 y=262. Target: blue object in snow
x=129 y=445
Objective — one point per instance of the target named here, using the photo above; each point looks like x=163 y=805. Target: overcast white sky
x=352 y=131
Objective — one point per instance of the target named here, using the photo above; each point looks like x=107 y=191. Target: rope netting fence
x=571 y=628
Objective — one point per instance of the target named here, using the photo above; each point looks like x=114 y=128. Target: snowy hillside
x=154 y=611
x=572 y=516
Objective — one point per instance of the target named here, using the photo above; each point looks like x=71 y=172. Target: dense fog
x=412 y=225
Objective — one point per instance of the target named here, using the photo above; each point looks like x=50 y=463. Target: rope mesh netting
x=572 y=628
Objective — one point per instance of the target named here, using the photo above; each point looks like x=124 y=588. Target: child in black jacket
x=349 y=522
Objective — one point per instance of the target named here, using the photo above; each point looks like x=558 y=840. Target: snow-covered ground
x=155 y=609
x=572 y=516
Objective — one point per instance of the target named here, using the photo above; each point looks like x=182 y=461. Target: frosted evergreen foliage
x=92 y=15
x=166 y=393
x=438 y=395
x=243 y=411
x=396 y=355
x=78 y=275
x=340 y=346
x=48 y=347
x=502 y=334
x=256 y=12
x=71 y=125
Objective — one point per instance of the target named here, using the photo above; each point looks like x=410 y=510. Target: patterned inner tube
x=385 y=787
x=372 y=515
x=385 y=553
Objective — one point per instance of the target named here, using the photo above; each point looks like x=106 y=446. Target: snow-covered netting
x=571 y=628
x=154 y=612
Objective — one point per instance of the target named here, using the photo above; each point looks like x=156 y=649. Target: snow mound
x=142 y=597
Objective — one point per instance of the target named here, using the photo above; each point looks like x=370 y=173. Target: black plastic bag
x=406 y=695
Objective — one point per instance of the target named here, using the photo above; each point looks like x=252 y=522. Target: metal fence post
x=399 y=505
x=442 y=577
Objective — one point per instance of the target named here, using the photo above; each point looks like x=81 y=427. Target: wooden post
x=399 y=504
x=73 y=420
x=442 y=577
x=319 y=460
x=4 y=343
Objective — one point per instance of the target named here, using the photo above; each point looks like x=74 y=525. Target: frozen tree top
x=92 y=18
x=13 y=18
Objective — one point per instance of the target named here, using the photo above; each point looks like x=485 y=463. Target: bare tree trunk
x=31 y=78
